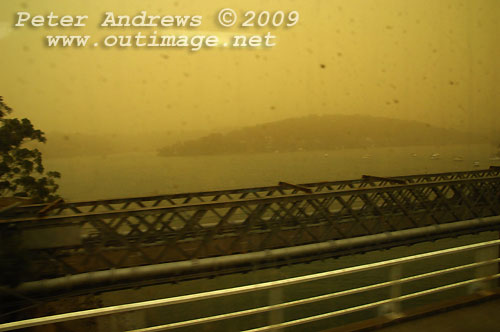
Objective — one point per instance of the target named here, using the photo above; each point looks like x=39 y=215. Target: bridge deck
x=479 y=317
x=477 y=312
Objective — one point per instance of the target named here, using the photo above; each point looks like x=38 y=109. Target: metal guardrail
x=62 y=245
x=481 y=281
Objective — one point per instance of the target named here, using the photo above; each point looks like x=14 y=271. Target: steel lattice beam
x=70 y=208
x=119 y=238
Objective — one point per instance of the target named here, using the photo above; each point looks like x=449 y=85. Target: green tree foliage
x=21 y=170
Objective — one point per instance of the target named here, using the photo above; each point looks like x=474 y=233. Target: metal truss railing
x=71 y=244
x=485 y=270
x=70 y=208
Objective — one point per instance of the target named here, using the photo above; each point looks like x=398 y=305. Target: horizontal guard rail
x=281 y=283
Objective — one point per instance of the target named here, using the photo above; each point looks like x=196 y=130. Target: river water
x=146 y=173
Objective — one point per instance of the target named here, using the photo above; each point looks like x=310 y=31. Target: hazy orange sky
x=427 y=60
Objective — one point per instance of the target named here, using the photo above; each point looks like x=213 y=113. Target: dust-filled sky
x=426 y=60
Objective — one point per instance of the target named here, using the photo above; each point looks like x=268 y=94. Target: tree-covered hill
x=326 y=132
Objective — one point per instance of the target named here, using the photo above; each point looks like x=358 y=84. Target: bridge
x=75 y=248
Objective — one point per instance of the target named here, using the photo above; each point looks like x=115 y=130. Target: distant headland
x=321 y=132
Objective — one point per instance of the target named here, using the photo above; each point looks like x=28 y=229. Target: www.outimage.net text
x=191 y=39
